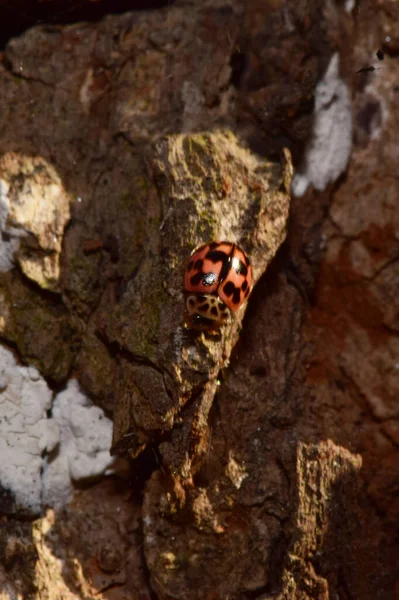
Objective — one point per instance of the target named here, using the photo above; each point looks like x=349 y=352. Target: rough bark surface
x=264 y=460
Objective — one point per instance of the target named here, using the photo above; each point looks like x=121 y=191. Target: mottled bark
x=263 y=462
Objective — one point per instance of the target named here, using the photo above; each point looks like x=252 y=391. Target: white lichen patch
x=330 y=146
x=34 y=210
x=83 y=451
x=25 y=432
x=41 y=456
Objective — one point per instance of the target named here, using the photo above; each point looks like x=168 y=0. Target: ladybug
x=217 y=281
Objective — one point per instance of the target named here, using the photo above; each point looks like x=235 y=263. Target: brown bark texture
x=263 y=461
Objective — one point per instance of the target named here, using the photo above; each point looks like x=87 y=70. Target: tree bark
x=260 y=462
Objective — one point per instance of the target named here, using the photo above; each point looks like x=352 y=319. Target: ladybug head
x=205 y=311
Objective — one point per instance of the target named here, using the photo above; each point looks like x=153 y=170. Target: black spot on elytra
x=225 y=314
x=204 y=307
x=244 y=285
x=198 y=264
x=216 y=256
x=214 y=311
x=231 y=290
x=190 y=265
x=191 y=301
x=196 y=279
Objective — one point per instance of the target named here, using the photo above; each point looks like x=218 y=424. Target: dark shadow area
x=16 y=17
x=356 y=552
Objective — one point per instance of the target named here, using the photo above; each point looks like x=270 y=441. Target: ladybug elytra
x=217 y=281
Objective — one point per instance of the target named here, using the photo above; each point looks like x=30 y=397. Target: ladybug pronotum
x=217 y=281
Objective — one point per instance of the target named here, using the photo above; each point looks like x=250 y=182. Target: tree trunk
x=259 y=460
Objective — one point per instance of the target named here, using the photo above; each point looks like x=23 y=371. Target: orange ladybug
x=217 y=280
